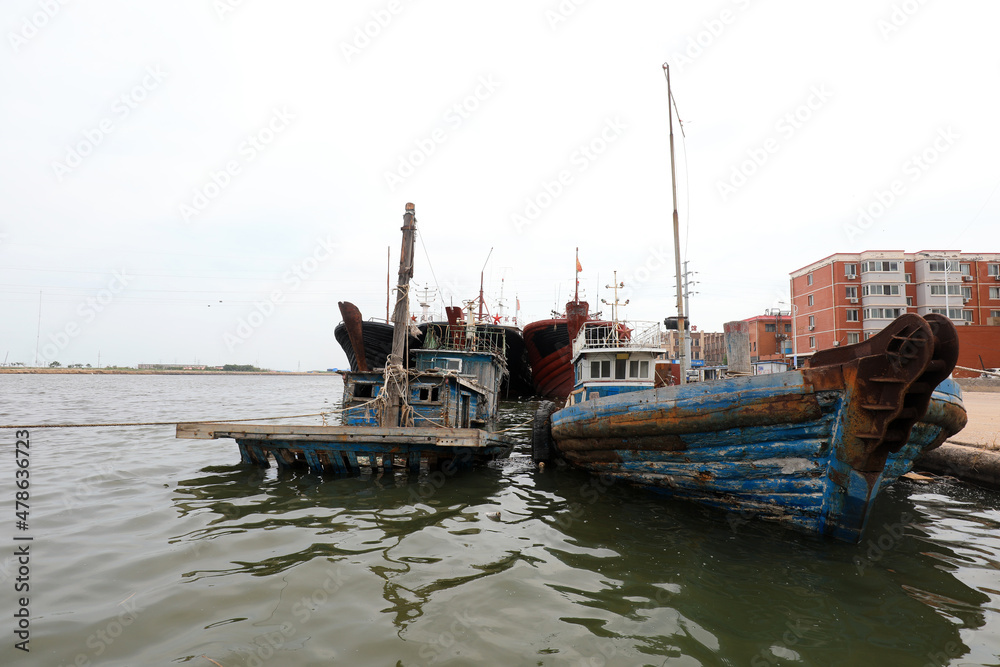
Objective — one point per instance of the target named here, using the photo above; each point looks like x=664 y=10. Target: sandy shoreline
x=133 y=371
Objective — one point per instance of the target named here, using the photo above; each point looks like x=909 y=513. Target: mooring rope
x=324 y=415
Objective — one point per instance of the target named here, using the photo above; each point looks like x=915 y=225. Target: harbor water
x=146 y=550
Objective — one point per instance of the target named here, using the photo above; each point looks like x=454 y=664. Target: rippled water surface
x=150 y=550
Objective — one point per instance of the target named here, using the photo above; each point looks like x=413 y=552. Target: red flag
x=578 y=267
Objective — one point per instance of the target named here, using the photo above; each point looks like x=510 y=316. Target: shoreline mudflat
x=146 y=371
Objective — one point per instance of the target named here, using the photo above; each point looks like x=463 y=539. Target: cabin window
x=364 y=390
x=620 y=369
x=425 y=393
x=436 y=394
x=638 y=369
x=600 y=369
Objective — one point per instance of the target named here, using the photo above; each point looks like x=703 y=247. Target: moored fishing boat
x=810 y=448
x=549 y=345
x=439 y=413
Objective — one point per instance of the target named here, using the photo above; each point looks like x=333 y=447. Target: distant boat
x=440 y=411
x=374 y=339
x=549 y=346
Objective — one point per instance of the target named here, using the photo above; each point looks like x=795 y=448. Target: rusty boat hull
x=810 y=448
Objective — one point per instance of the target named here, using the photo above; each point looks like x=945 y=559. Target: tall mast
x=481 y=273
x=681 y=323
x=395 y=367
x=576 y=293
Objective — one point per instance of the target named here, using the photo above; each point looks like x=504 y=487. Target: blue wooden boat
x=439 y=412
x=810 y=448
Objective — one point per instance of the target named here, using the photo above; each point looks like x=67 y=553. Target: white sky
x=886 y=80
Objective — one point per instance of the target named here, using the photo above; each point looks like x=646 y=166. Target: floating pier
x=355 y=449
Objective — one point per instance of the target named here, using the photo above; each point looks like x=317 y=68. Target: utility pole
x=687 y=309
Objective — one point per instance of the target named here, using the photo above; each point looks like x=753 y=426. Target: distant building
x=847 y=297
x=707 y=348
x=173 y=367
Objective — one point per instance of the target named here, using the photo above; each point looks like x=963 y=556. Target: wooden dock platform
x=355 y=449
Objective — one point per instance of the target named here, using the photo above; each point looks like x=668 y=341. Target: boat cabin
x=453 y=381
x=614 y=358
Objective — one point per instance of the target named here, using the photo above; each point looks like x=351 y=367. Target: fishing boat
x=549 y=344
x=367 y=343
x=438 y=412
x=810 y=448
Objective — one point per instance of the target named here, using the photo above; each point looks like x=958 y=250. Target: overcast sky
x=171 y=169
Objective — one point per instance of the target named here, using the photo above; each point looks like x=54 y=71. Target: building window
x=993 y=269
x=882 y=313
x=853 y=338
x=812 y=321
x=881 y=290
x=852 y=314
x=995 y=313
x=940 y=266
x=880 y=265
x=810 y=299
x=788 y=328
x=994 y=293
x=966 y=269
x=809 y=279
x=850 y=270
x=908 y=277
x=954 y=290
x=955 y=313
x=852 y=292
x=770 y=328
x=812 y=341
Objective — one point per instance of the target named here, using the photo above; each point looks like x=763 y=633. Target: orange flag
x=578 y=267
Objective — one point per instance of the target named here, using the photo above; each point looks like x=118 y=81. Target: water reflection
x=580 y=568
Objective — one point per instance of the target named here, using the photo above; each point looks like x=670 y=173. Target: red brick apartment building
x=847 y=297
